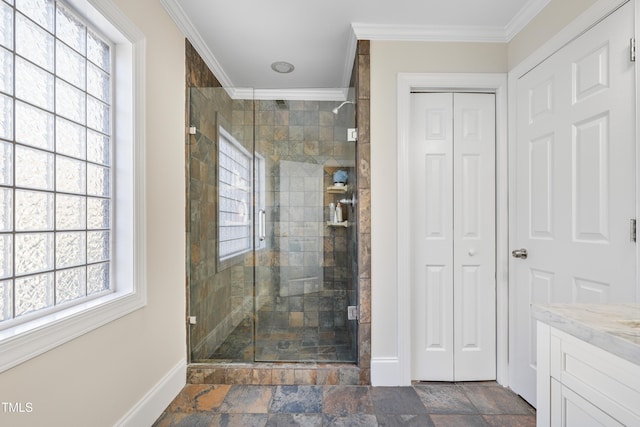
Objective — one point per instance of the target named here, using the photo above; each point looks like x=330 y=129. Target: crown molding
x=321 y=94
x=350 y=59
x=438 y=33
x=523 y=17
x=443 y=33
x=185 y=25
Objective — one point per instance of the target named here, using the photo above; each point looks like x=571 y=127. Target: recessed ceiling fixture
x=282 y=67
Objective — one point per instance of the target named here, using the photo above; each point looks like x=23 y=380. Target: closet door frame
x=465 y=82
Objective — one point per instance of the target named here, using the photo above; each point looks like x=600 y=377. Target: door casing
x=463 y=82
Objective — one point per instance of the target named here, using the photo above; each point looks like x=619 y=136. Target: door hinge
x=352 y=312
x=632 y=230
x=192 y=320
x=352 y=134
x=632 y=50
x=193 y=130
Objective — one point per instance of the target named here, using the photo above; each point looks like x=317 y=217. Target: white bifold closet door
x=452 y=190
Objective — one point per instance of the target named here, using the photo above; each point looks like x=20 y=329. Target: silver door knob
x=519 y=253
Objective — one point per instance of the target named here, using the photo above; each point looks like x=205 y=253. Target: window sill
x=28 y=340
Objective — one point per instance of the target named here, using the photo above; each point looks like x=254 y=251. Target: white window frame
x=30 y=339
x=224 y=259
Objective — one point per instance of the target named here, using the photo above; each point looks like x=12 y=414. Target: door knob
x=519 y=253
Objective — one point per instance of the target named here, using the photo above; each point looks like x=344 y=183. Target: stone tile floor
x=423 y=404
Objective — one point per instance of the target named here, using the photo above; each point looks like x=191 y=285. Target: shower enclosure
x=270 y=274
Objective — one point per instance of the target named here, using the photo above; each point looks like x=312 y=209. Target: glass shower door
x=304 y=267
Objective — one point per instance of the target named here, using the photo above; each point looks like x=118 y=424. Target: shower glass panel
x=220 y=226
x=270 y=273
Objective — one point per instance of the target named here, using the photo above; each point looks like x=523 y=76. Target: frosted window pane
x=6 y=163
x=34 y=252
x=97 y=213
x=98 y=115
x=97 y=278
x=70 y=138
x=97 y=246
x=34 y=85
x=70 y=66
x=71 y=212
x=6 y=71
x=34 y=126
x=6 y=19
x=40 y=11
x=71 y=249
x=34 y=168
x=6 y=209
x=34 y=211
x=98 y=83
x=71 y=175
x=6 y=300
x=6 y=117
x=98 y=181
x=70 y=102
x=70 y=29
x=98 y=148
x=34 y=293
x=6 y=260
x=34 y=43
x=98 y=52
x=71 y=284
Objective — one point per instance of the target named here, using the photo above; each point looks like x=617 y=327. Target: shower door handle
x=262 y=226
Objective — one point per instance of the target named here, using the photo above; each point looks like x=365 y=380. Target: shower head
x=335 y=110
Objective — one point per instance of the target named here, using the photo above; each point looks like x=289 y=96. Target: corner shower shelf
x=338 y=189
x=344 y=224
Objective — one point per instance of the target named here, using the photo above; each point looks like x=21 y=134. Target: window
x=70 y=257
x=234 y=204
x=55 y=188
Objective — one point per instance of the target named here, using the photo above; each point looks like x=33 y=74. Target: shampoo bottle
x=338 y=212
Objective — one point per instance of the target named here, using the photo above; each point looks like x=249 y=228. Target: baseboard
x=146 y=411
x=386 y=372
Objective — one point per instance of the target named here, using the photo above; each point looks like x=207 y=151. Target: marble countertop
x=612 y=327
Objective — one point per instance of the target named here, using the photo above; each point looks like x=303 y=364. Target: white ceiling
x=239 y=39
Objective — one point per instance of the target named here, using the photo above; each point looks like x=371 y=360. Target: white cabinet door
x=572 y=410
x=575 y=191
x=452 y=192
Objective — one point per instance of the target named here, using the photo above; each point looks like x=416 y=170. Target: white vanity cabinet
x=580 y=384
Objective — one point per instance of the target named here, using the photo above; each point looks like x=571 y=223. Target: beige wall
x=545 y=25
x=387 y=60
x=95 y=379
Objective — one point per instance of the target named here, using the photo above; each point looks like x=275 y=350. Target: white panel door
x=575 y=191
x=452 y=204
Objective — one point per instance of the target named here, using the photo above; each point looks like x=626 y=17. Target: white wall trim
x=596 y=13
x=320 y=94
x=386 y=371
x=429 y=33
x=523 y=17
x=185 y=25
x=449 y=33
x=148 y=409
x=492 y=83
